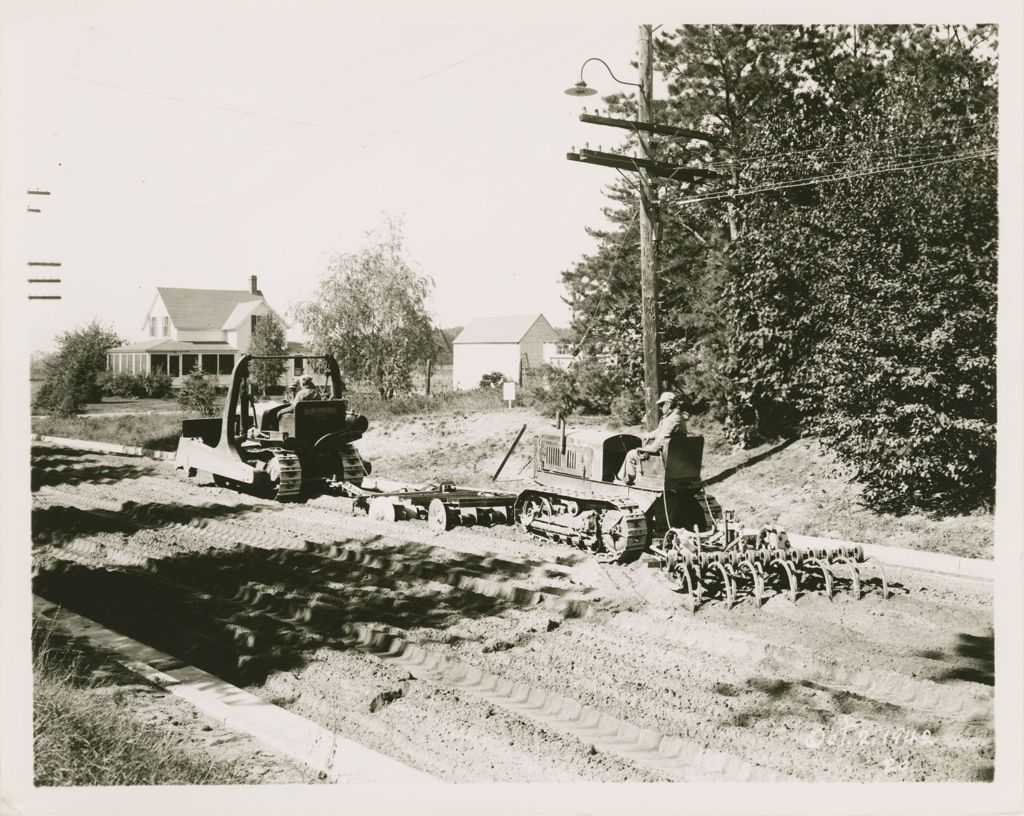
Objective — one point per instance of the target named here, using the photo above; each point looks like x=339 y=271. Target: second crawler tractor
x=704 y=551
x=577 y=501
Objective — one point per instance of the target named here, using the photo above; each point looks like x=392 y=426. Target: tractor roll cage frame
x=241 y=373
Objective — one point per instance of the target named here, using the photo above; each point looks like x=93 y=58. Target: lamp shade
x=580 y=89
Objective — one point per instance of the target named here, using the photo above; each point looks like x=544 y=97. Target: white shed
x=511 y=345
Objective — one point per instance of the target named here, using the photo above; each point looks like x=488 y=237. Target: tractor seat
x=271 y=419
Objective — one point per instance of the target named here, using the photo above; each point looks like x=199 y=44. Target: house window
x=152 y=327
x=189 y=362
x=210 y=363
x=299 y=362
x=175 y=362
x=225 y=363
x=141 y=361
x=167 y=326
x=252 y=323
x=158 y=363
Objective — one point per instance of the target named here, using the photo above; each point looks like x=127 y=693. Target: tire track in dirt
x=797 y=663
x=131 y=519
x=682 y=759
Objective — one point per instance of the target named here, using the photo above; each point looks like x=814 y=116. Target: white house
x=206 y=329
x=511 y=345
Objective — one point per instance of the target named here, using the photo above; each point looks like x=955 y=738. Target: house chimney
x=252 y=285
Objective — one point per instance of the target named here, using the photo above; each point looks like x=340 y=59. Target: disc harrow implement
x=731 y=564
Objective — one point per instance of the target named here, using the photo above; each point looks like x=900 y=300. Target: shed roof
x=203 y=308
x=507 y=329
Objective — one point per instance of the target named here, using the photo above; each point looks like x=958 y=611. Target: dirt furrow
x=483 y=655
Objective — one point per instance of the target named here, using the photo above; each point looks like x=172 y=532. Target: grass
x=146 y=431
x=141 y=405
x=83 y=736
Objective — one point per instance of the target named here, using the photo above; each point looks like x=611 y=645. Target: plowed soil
x=482 y=655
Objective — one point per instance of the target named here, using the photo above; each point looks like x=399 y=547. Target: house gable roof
x=243 y=311
x=509 y=329
x=203 y=308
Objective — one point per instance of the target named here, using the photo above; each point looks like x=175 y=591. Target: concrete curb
x=342 y=760
x=105 y=447
x=980 y=568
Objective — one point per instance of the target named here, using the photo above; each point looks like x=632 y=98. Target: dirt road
x=484 y=656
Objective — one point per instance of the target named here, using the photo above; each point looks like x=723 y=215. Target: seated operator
x=672 y=424
x=307 y=390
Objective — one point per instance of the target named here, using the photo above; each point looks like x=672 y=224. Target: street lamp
x=582 y=89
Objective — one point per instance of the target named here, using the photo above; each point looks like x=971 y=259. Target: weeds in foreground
x=84 y=737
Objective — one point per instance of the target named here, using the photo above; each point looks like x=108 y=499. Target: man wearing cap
x=307 y=390
x=672 y=424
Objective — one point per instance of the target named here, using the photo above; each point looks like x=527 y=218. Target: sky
x=194 y=145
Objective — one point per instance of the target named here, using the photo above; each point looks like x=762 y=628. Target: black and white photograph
x=549 y=409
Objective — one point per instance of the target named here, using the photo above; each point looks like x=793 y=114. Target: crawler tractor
x=577 y=500
x=703 y=549
x=276 y=448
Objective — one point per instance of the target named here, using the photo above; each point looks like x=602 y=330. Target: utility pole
x=646 y=168
x=648 y=228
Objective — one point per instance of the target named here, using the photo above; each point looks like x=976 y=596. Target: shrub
x=551 y=392
x=198 y=394
x=158 y=385
x=628 y=408
x=130 y=386
x=595 y=386
x=493 y=380
x=70 y=373
x=588 y=386
x=134 y=386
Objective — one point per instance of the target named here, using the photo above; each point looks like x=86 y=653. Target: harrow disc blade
x=787 y=569
x=728 y=585
x=854 y=575
x=694 y=590
x=881 y=574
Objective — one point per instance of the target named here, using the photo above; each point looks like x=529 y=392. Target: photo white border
x=1004 y=795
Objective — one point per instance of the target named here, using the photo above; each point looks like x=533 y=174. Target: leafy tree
x=71 y=372
x=267 y=338
x=369 y=312
x=198 y=394
x=866 y=307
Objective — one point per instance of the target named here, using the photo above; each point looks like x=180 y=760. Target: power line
x=810 y=180
x=839 y=149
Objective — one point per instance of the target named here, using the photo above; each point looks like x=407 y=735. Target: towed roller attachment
x=444 y=516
